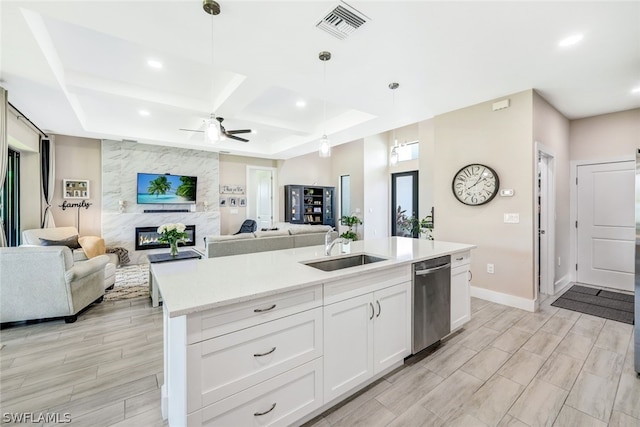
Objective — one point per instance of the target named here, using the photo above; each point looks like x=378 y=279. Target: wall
x=604 y=137
x=233 y=171
x=347 y=159
x=502 y=140
x=309 y=169
x=21 y=137
x=121 y=161
x=376 y=192
x=78 y=158
x=551 y=129
x=426 y=164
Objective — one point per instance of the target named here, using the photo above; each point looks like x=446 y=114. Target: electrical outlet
x=490 y=268
x=558 y=261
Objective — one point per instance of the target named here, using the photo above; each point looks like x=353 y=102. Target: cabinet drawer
x=460 y=258
x=225 y=365
x=223 y=320
x=279 y=401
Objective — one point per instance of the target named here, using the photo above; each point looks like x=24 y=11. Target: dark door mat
x=596 y=302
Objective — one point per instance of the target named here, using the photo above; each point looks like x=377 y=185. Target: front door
x=404 y=204
x=606 y=225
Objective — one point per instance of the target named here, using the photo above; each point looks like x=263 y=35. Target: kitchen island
x=265 y=338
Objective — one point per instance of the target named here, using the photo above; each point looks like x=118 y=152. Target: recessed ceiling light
x=571 y=40
x=636 y=90
x=144 y=113
x=253 y=131
x=301 y=104
x=154 y=63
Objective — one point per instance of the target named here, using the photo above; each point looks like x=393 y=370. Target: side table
x=165 y=257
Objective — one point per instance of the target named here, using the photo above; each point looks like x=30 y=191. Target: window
x=408 y=151
x=345 y=195
x=10 y=196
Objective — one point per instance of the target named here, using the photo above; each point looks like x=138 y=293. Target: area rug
x=131 y=281
x=598 y=302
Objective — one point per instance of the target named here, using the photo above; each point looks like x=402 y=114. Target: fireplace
x=147 y=238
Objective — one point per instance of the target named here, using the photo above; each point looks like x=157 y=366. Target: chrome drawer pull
x=261 y=310
x=459 y=259
x=379 y=308
x=373 y=311
x=259 y=414
x=264 y=354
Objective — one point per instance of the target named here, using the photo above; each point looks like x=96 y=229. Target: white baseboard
x=561 y=284
x=504 y=299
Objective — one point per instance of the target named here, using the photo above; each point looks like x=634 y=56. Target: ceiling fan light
x=325 y=148
x=213 y=130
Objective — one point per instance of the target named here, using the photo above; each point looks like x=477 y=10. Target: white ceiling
x=79 y=67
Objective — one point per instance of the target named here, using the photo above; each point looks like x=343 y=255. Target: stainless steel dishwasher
x=431 y=290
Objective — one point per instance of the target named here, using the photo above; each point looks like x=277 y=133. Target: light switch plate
x=511 y=218
x=507 y=192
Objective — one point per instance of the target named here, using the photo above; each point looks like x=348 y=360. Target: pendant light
x=324 y=150
x=393 y=156
x=212 y=126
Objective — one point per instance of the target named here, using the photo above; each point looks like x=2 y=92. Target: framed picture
x=75 y=188
x=223 y=202
x=233 y=202
x=242 y=202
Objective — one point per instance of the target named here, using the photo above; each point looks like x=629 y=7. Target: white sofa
x=286 y=237
x=41 y=282
x=32 y=238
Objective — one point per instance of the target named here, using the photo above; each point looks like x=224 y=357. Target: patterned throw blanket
x=123 y=254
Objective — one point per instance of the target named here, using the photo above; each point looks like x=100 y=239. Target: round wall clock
x=475 y=184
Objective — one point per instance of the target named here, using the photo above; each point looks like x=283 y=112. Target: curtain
x=4 y=153
x=48 y=175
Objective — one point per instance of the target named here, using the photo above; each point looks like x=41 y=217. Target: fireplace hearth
x=147 y=238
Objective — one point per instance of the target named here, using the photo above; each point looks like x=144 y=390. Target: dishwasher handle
x=431 y=270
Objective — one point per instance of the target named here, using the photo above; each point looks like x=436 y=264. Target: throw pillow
x=70 y=242
x=92 y=246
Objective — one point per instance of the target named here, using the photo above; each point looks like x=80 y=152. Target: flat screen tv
x=156 y=188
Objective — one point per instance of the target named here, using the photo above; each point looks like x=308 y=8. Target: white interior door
x=606 y=225
x=260 y=196
x=546 y=223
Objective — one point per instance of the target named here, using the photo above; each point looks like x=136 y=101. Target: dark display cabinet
x=309 y=205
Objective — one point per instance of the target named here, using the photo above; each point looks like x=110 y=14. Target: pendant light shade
x=393 y=157
x=324 y=149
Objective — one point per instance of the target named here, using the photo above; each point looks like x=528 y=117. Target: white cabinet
x=365 y=335
x=257 y=362
x=460 y=289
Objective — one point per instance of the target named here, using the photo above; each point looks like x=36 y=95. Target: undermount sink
x=344 y=262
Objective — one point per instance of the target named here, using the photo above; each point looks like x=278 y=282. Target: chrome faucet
x=328 y=243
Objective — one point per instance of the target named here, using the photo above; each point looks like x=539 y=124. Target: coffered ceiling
x=80 y=67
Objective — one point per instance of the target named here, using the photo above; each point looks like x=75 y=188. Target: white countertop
x=191 y=286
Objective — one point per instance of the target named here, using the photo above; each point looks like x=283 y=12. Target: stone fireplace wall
x=121 y=162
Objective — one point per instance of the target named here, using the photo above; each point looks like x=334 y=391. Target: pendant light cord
x=324 y=108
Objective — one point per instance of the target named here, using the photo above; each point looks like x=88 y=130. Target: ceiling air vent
x=342 y=21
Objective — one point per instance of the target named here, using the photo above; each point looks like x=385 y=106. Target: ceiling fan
x=231 y=134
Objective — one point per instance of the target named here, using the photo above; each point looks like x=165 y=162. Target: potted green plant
x=351 y=222
x=426 y=227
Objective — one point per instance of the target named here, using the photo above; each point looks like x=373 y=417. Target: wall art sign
x=75 y=188
x=232 y=189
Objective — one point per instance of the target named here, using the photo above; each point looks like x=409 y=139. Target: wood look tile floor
x=506 y=367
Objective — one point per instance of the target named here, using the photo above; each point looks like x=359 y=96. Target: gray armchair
x=45 y=282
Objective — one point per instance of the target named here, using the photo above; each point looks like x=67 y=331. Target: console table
x=166 y=257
